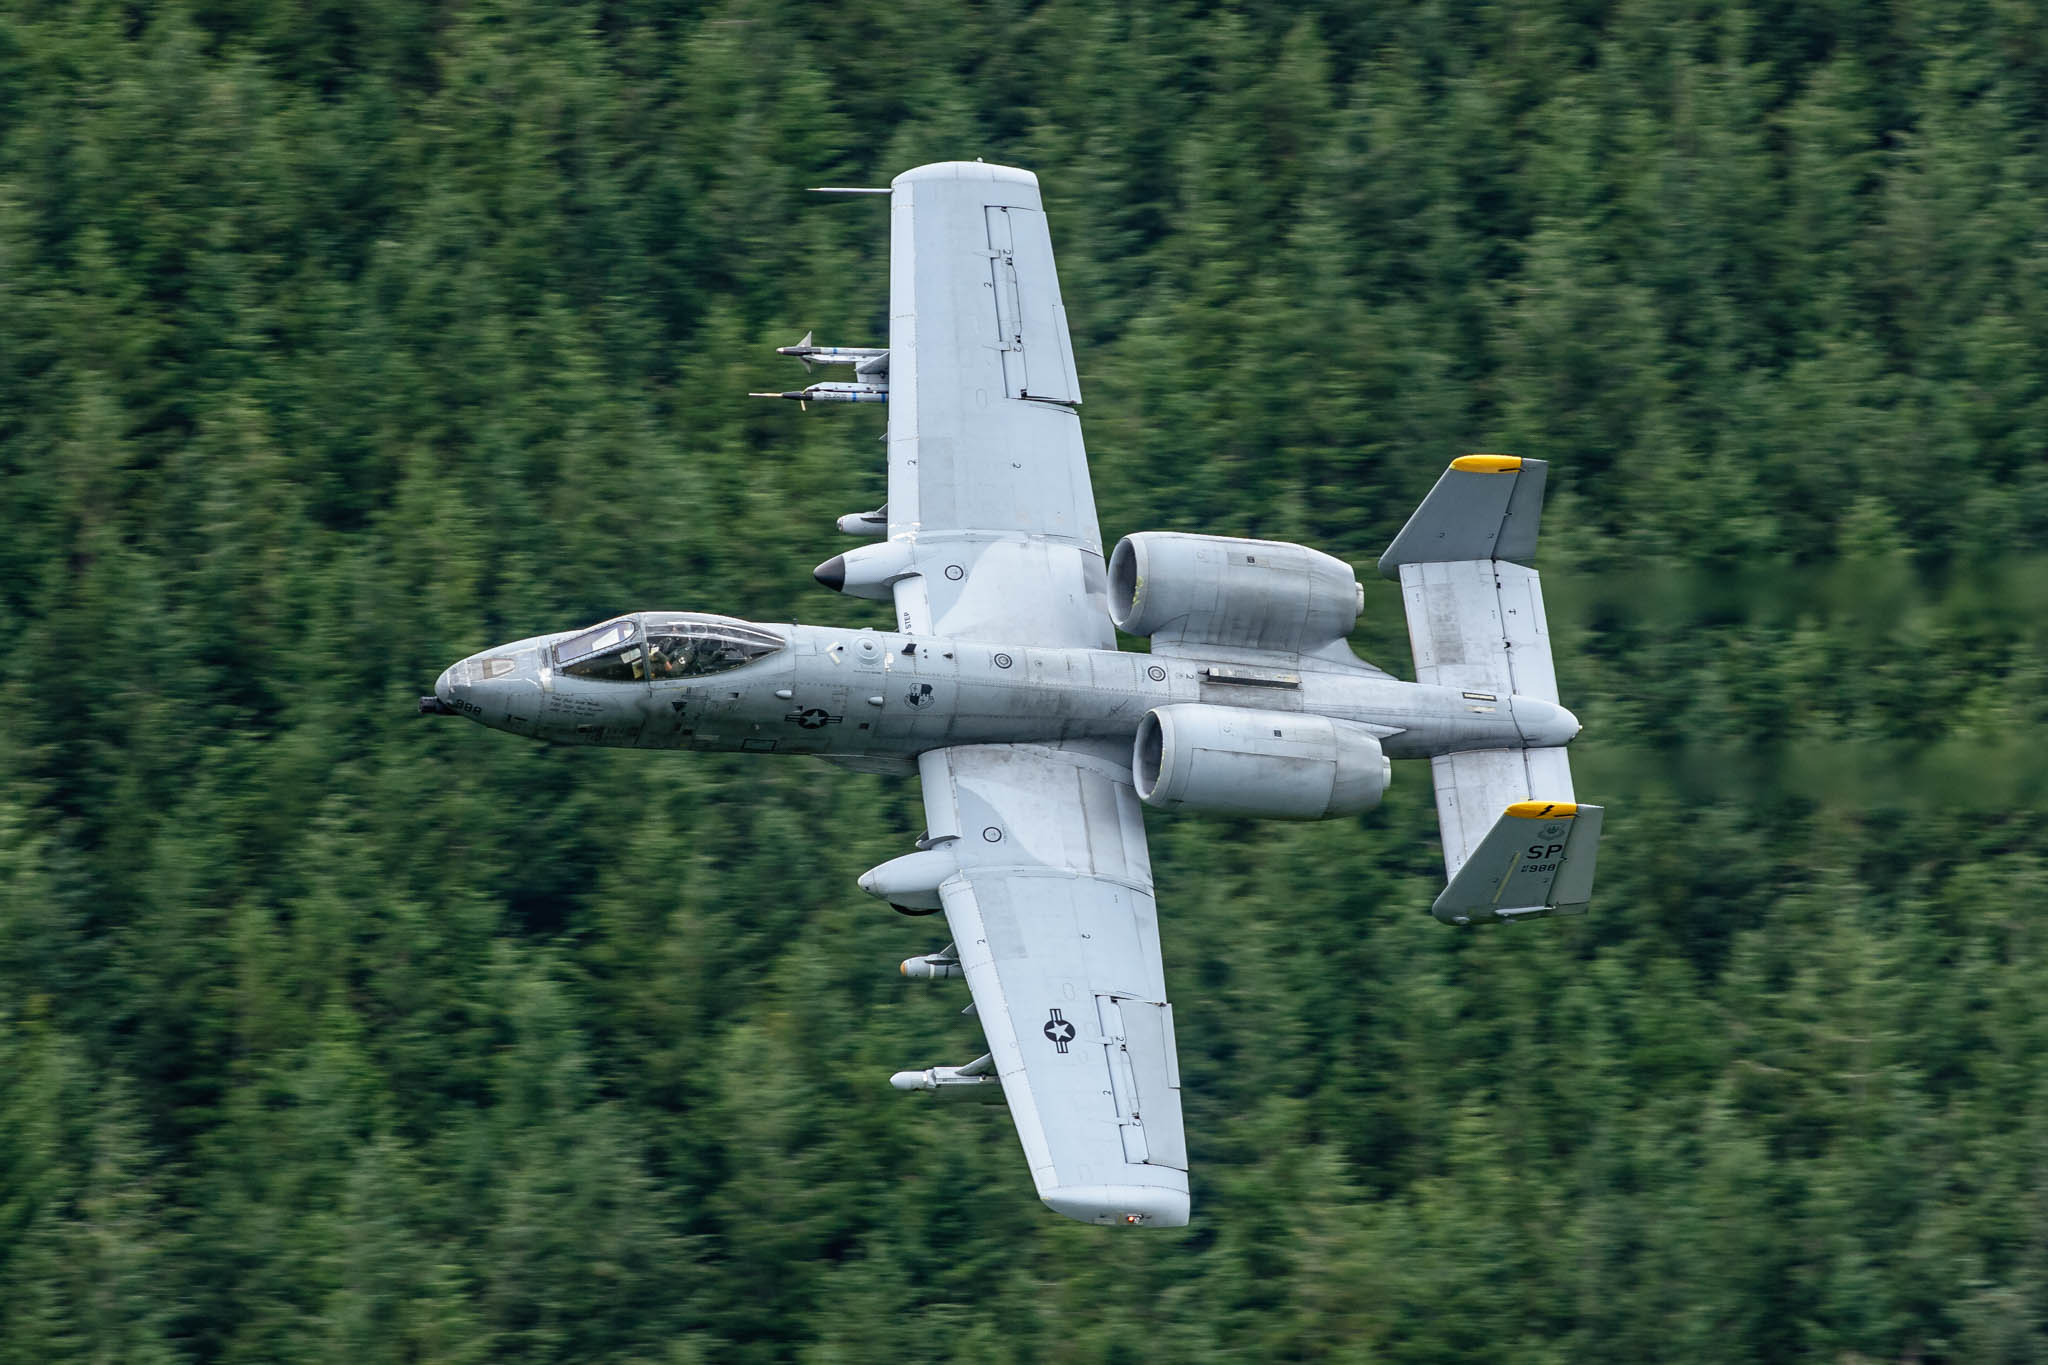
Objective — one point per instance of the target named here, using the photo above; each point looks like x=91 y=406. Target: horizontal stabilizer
x=1538 y=859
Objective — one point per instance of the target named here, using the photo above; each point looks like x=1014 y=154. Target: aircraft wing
x=988 y=480
x=1052 y=915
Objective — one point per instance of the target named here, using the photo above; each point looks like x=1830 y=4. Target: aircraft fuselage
x=876 y=699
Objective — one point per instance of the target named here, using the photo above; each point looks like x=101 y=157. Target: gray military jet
x=1038 y=743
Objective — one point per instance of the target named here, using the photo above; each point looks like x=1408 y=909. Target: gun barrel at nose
x=441 y=703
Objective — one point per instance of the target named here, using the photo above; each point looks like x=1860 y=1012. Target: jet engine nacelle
x=1218 y=590
x=1280 y=765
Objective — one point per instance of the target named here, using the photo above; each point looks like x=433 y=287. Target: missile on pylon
x=932 y=966
x=977 y=1077
x=864 y=359
x=833 y=393
x=873 y=525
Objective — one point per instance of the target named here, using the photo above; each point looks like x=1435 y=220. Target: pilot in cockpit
x=667 y=650
x=669 y=656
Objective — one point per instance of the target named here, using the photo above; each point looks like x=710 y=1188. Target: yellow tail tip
x=1487 y=464
x=1543 y=810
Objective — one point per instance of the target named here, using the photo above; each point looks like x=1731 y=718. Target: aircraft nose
x=498 y=687
x=442 y=702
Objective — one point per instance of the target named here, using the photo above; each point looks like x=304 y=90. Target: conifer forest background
x=340 y=339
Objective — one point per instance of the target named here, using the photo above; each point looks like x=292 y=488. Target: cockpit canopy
x=663 y=647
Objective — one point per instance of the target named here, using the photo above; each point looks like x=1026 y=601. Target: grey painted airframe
x=1037 y=742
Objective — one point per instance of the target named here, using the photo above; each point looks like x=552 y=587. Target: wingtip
x=1151 y=1206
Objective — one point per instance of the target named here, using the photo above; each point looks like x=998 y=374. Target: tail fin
x=1476 y=623
x=1538 y=859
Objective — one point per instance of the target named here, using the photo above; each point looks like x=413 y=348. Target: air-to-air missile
x=833 y=393
x=860 y=357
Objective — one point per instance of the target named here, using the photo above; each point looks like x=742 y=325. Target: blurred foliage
x=340 y=340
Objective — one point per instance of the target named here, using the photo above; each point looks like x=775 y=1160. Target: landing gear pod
x=911 y=883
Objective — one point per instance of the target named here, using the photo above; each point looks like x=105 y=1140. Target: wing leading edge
x=1052 y=913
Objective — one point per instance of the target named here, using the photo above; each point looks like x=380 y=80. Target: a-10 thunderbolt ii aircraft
x=1037 y=743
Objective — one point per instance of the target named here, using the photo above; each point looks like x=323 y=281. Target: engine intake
x=1218 y=590
x=1279 y=765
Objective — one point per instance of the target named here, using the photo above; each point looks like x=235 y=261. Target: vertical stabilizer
x=1537 y=860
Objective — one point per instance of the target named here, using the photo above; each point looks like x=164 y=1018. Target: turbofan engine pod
x=1219 y=590
x=1278 y=765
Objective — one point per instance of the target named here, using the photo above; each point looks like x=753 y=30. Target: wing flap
x=1031 y=321
x=1148 y=1103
